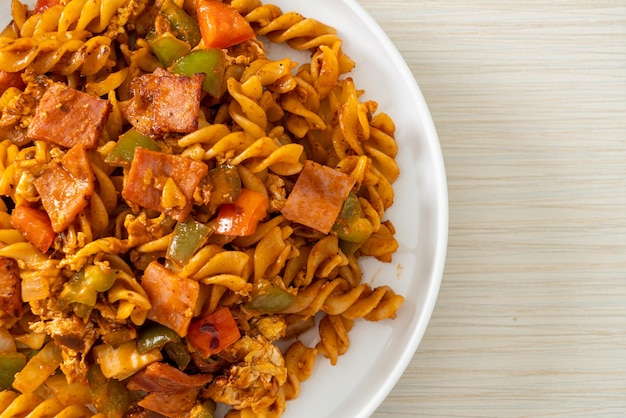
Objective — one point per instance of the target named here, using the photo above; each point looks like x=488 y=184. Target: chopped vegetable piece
x=41 y=366
x=317 y=196
x=188 y=237
x=84 y=286
x=109 y=396
x=34 y=225
x=173 y=298
x=10 y=364
x=10 y=289
x=183 y=26
x=123 y=361
x=352 y=228
x=241 y=217
x=149 y=173
x=271 y=299
x=211 y=62
x=65 y=188
x=212 y=333
x=226 y=186
x=165 y=44
x=75 y=393
x=221 y=25
x=155 y=336
x=168 y=48
x=68 y=117
x=7 y=341
x=124 y=150
x=163 y=102
x=205 y=409
x=178 y=353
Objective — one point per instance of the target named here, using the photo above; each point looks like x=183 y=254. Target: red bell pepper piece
x=34 y=225
x=241 y=217
x=221 y=25
x=212 y=333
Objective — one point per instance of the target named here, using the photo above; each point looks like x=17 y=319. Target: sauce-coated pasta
x=175 y=203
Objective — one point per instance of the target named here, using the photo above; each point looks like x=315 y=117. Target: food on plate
x=178 y=207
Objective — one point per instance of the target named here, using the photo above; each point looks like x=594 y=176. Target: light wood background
x=529 y=100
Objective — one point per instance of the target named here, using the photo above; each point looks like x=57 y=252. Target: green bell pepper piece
x=10 y=363
x=226 y=186
x=155 y=336
x=189 y=237
x=177 y=352
x=271 y=299
x=124 y=150
x=183 y=26
x=211 y=62
x=84 y=286
x=204 y=410
x=168 y=48
x=173 y=34
x=109 y=396
x=352 y=228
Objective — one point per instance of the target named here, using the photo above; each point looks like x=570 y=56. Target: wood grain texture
x=529 y=100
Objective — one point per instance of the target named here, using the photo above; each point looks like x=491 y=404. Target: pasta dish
x=178 y=207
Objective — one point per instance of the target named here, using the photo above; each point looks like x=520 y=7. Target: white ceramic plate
x=380 y=352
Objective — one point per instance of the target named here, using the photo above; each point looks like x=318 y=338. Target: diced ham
x=317 y=196
x=68 y=117
x=150 y=174
x=163 y=102
x=161 y=377
x=170 y=404
x=66 y=187
x=8 y=79
x=173 y=298
x=10 y=288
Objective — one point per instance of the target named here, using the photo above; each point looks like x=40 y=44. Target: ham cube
x=68 y=117
x=66 y=187
x=163 y=182
x=317 y=196
x=170 y=404
x=163 y=102
x=173 y=298
x=161 y=377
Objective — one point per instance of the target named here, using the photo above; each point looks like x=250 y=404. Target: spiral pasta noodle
x=174 y=208
x=34 y=405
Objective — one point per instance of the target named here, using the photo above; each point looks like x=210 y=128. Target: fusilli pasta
x=209 y=203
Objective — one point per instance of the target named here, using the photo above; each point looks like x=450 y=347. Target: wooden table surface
x=529 y=100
